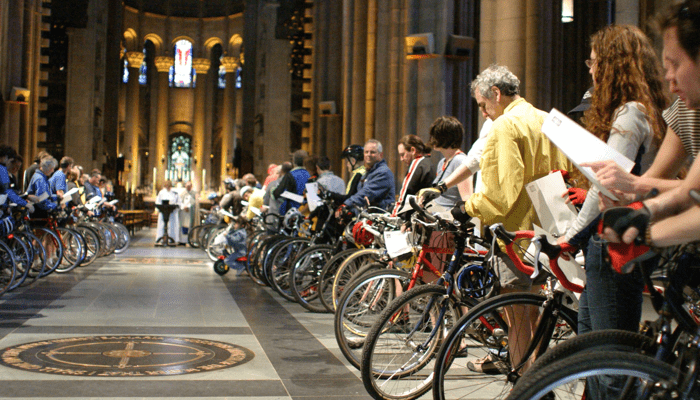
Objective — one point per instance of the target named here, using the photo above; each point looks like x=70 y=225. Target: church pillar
x=228 y=115
x=201 y=65
x=163 y=65
x=131 y=126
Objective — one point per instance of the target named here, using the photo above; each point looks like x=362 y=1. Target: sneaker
x=486 y=365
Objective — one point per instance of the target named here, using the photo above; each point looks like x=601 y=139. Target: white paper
x=312 y=196
x=43 y=197
x=292 y=196
x=66 y=198
x=555 y=215
x=397 y=243
x=571 y=269
x=71 y=192
x=3 y=198
x=406 y=205
x=113 y=202
x=94 y=200
x=581 y=146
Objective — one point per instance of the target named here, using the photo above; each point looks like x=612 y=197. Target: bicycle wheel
x=304 y=277
x=193 y=235
x=325 y=287
x=348 y=269
x=396 y=358
x=92 y=244
x=641 y=377
x=360 y=306
x=475 y=358
x=23 y=260
x=72 y=250
x=123 y=237
x=53 y=247
x=281 y=263
x=38 y=257
x=216 y=247
x=8 y=269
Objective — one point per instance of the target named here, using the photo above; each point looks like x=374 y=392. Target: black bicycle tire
x=301 y=267
x=23 y=264
x=57 y=242
x=328 y=274
x=281 y=265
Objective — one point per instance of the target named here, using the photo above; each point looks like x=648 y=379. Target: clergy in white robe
x=188 y=209
x=167 y=193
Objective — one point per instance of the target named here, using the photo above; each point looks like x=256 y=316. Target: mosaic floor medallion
x=123 y=356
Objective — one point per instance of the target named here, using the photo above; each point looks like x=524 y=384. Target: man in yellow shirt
x=515 y=154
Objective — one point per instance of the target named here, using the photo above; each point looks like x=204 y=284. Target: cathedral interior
x=148 y=90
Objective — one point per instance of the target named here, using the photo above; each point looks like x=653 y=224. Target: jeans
x=609 y=301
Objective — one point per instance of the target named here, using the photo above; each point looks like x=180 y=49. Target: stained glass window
x=125 y=75
x=143 y=71
x=239 y=82
x=222 y=77
x=182 y=76
x=179 y=160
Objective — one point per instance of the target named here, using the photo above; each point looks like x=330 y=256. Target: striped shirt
x=686 y=124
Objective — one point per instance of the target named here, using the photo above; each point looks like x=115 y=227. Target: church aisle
x=159 y=323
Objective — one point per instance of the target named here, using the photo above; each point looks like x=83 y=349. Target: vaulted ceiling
x=188 y=8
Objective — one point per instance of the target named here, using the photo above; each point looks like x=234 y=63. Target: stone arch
x=157 y=42
x=131 y=42
x=177 y=39
x=211 y=42
x=235 y=45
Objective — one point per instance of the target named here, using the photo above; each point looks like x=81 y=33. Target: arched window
x=125 y=74
x=182 y=73
x=239 y=82
x=222 y=77
x=143 y=71
x=179 y=158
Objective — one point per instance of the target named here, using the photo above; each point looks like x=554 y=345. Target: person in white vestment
x=188 y=210
x=167 y=193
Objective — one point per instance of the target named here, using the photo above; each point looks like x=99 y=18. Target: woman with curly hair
x=625 y=112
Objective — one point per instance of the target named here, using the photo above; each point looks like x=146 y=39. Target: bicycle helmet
x=475 y=281
x=360 y=234
x=355 y=151
x=211 y=196
x=230 y=184
x=292 y=218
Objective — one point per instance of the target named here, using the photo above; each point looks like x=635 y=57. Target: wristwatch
x=442 y=187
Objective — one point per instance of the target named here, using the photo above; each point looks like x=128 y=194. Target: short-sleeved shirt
x=686 y=124
x=57 y=182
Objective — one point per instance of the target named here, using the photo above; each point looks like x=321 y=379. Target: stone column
x=163 y=65
x=131 y=126
x=228 y=114
x=201 y=65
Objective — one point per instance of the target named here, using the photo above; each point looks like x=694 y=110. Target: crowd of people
x=47 y=183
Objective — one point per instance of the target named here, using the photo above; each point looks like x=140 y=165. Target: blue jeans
x=609 y=301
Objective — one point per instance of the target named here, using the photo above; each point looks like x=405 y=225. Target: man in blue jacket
x=377 y=184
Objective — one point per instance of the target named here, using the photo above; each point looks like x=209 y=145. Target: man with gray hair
x=515 y=154
x=377 y=185
x=38 y=188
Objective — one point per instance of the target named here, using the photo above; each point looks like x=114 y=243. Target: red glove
x=577 y=196
x=564 y=174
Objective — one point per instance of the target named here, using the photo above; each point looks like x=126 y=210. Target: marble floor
x=243 y=341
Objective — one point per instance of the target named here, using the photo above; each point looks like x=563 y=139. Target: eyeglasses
x=590 y=62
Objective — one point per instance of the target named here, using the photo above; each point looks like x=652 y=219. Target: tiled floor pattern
x=175 y=292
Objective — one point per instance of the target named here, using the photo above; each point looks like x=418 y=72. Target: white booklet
x=312 y=196
x=581 y=146
x=292 y=196
x=67 y=195
x=555 y=215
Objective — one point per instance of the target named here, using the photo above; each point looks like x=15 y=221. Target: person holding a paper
x=515 y=154
x=326 y=178
x=39 y=189
x=628 y=79
x=57 y=182
x=293 y=182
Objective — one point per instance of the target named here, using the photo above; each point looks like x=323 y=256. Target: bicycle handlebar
x=553 y=252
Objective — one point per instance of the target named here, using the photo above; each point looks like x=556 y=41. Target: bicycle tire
x=38 y=259
x=23 y=260
x=360 y=306
x=54 y=255
x=72 y=250
x=92 y=244
x=325 y=287
x=347 y=270
x=8 y=268
x=566 y=379
x=215 y=250
x=395 y=362
x=304 y=277
x=281 y=263
x=483 y=332
x=123 y=237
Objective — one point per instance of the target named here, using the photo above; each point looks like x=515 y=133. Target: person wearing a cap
x=294 y=181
